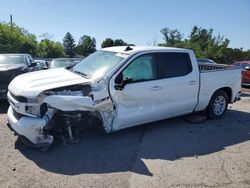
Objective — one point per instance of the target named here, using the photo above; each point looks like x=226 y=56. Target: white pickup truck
x=116 y=88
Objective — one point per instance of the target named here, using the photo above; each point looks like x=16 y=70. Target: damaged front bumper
x=30 y=128
x=60 y=113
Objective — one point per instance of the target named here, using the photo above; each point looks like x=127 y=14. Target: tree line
x=14 y=39
x=205 y=45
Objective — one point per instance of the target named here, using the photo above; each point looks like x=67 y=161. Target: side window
x=143 y=68
x=173 y=64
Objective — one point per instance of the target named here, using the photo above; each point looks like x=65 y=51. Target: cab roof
x=131 y=49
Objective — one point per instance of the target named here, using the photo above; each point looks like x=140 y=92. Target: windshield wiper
x=81 y=73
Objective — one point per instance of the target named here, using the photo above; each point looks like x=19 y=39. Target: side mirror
x=123 y=84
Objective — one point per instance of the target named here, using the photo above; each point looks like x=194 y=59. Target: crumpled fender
x=98 y=100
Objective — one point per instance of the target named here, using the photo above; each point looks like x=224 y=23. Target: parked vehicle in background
x=41 y=64
x=204 y=60
x=12 y=65
x=245 y=65
x=116 y=88
x=64 y=62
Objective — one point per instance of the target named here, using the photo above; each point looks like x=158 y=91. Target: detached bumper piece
x=29 y=129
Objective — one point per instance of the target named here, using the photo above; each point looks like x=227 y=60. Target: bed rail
x=208 y=67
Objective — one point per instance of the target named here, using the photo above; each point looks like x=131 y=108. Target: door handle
x=192 y=82
x=155 y=88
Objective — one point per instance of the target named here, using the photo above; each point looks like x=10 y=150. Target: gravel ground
x=170 y=153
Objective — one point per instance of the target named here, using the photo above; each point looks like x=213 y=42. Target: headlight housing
x=33 y=110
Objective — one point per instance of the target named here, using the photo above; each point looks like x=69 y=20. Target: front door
x=140 y=99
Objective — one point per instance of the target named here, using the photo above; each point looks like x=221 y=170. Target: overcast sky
x=135 y=21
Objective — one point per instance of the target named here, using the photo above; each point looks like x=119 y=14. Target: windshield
x=12 y=59
x=64 y=63
x=98 y=64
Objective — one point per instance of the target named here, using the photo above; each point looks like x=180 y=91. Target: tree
x=50 y=49
x=16 y=40
x=231 y=55
x=108 y=42
x=45 y=36
x=247 y=53
x=171 y=37
x=119 y=42
x=201 y=40
x=205 y=44
x=86 y=45
x=69 y=45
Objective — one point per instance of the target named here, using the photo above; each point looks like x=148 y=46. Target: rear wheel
x=217 y=105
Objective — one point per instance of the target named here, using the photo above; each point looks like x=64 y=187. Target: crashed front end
x=61 y=112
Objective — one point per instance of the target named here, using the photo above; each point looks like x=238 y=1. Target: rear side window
x=173 y=64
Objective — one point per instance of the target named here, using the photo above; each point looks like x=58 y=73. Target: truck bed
x=214 y=77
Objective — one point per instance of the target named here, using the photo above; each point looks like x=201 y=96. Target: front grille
x=19 y=98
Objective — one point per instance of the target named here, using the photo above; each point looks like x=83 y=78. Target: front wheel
x=217 y=105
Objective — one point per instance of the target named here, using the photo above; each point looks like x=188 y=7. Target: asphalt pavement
x=169 y=153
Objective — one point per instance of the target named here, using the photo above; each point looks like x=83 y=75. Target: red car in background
x=245 y=65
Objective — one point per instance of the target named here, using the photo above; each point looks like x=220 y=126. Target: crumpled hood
x=6 y=67
x=32 y=84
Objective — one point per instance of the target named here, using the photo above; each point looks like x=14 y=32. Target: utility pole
x=11 y=23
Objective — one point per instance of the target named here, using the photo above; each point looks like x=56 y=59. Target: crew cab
x=116 y=88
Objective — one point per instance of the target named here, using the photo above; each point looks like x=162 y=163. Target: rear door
x=181 y=83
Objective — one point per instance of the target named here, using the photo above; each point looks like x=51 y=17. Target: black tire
x=218 y=105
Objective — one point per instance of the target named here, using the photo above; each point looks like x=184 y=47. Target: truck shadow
x=125 y=150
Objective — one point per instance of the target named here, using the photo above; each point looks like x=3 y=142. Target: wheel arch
x=209 y=109
x=205 y=103
x=227 y=90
